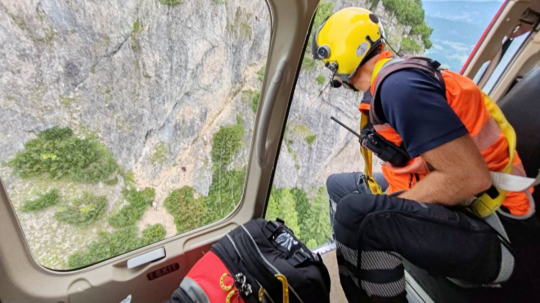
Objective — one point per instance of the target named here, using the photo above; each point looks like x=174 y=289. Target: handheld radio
x=384 y=149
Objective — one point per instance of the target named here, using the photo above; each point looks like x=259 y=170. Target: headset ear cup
x=314 y=45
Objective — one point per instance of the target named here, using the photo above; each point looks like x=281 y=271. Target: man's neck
x=362 y=78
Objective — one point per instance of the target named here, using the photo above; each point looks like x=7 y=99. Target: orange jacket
x=466 y=99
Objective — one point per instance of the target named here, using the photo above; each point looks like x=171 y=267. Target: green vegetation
x=219 y=1
x=139 y=201
x=171 y=2
x=160 y=154
x=83 y=211
x=408 y=45
x=66 y=101
x=308 y=63
x=136 y=27
x=225 y=193
x=302 y=130
x=109 y=245
x=240 y=24
x=57 y=154
x=245 y=29
x=112 y=181
x=255 y=100
x=227 y=142
x=227 y=185
x=152 y=234
x=425 y=31
x=93 y=69
x=301 y=203
x=129 y=177
x=310 y=139
x=321 y=79
x=49 y=35
x=260 y=73
x=186 y=210
x=43 y=201
x=252 y=98
x=316 y=225
x=408 y=12
x=309 y=221
x=281 y=205
x=239 y=118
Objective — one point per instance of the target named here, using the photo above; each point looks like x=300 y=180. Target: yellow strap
x=366 y=153
x=485 y=205
x=377 y=68
x=368 y=161
x=497 y=114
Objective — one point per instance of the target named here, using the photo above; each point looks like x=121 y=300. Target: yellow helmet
x=345 y=39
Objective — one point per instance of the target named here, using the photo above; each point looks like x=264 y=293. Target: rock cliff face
x=138 y=74
x=153 y=83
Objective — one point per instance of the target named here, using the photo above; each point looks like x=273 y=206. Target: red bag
x=210 y=281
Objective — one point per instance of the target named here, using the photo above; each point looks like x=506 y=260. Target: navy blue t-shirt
x=415 y=106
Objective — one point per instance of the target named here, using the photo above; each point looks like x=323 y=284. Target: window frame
x=162 y=243
x=509 y=63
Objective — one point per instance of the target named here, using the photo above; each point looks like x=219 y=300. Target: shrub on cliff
x=83 y=211
x=186 y=210
x=57 y=154
x=139 y=201
x=43 y=201
x=110 y=245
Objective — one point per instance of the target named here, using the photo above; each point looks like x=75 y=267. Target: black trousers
x=375 y=232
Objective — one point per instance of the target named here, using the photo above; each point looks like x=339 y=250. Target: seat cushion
x=521 y=106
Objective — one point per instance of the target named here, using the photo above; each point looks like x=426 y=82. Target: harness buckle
x=272 y=226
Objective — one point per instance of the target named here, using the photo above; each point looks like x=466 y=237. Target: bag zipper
x=268 y=263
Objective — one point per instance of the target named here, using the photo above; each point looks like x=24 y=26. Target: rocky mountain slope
x=153 y=81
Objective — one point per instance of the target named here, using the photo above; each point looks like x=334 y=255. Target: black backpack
x=260 y=250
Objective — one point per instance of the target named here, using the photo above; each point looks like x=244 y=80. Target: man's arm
x=460 y=173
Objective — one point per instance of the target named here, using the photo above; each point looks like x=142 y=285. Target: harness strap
x=513 y=183
x=368 y=161
x=366 y=153
x=393 y=65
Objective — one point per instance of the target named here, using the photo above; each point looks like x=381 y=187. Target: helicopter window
x=122 y=124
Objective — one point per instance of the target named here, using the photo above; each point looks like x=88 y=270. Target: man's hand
x=460 y=173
